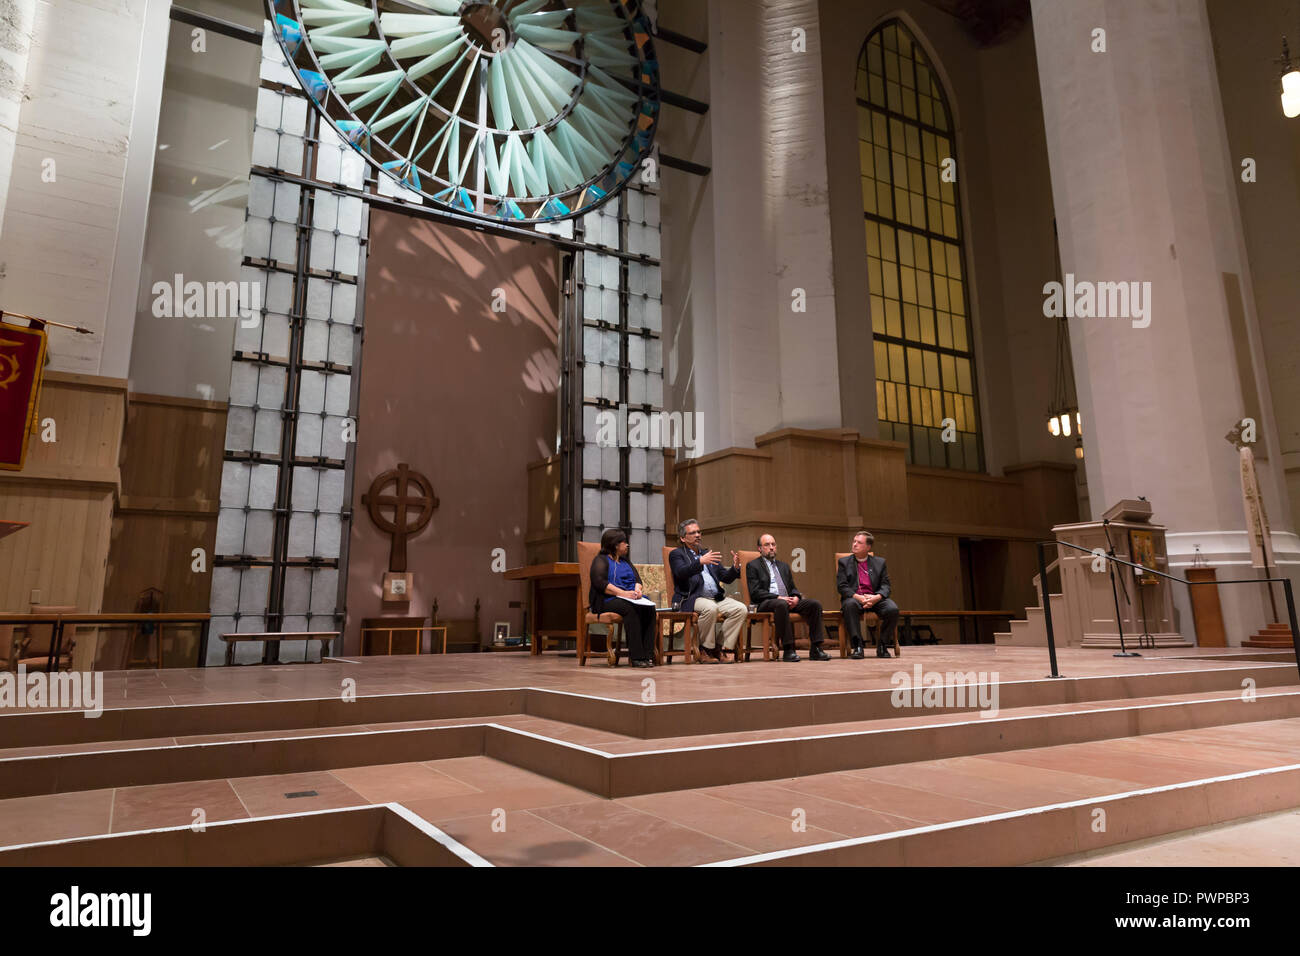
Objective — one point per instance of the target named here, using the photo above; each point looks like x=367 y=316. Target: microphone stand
x=1114 y=590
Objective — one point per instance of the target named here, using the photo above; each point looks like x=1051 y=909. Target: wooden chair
x=587 y=551
x=149 y=602
x=34 y=649
x=457 y=632
x=871 y=618
x=771 y=649
x=689 y=621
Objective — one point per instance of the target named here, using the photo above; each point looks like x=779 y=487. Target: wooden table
x=554 y=605
x=905 y=620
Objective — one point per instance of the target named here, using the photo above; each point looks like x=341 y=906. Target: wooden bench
x=325 y=637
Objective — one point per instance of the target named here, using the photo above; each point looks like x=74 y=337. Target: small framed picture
x=500 y=631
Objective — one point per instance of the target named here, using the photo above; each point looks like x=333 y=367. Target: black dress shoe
x=882 y=651
x=857 y=653
x=790 y=656
x=642 y=664
x=817 y=654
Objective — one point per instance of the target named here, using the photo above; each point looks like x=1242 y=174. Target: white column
x=1144 y=189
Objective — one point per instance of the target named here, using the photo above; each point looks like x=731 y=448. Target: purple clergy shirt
x=864 y=579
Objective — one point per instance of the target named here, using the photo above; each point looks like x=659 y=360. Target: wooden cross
x=403 y=504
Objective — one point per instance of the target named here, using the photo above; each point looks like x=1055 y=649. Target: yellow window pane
x=882 y=361
x=918 y=209
x=914 y=174
x=878 y=319
x=954 y=262
x=865 y=162
x=956 y=297
x=944 y=321
x=905 y=249
x=889 y=275
x=887 y=244
x=931 y=180
x=929 y=153
x=860 y=89
x=905 y=47
x=900 y=170
x=883 y=171
x=879 y=127
x=896 y=137
x=891 y=406
x=873 y=239
x=889 y=38
x=927 y=326
x=873 y=57
x=946 y=192
x=911 y=324
x=925 y=108
x=935 y=222
x=937 y=258
x=940 y=116
x=941 y=295
x=909 y=103
x=913 y=142
x=880 y=396
x=891 y=67
x=906 y=75
x=902 y=206
x=883 y=194
x=948 y=366
x=959 y=333
x=970 y=411
x=924 y=295
x=895 y=96
x=896 y=370
x=875 y=284
x=893 y=324
x=907 y=279
x=963 y=377
x=868 y=194
x=915 y=367
x=922 y=249
x=936 y=406
x=949 y=220
x=923 y=78
x=958 y=412
x=877 y=89
x=931 y=363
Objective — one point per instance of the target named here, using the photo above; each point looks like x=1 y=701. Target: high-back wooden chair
x=34 y=649
x=587 y=551
x=871 y=618
x=689 y=620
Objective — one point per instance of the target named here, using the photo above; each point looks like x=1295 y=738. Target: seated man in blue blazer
x=771 y=589
x=698 y=577
x=863 y=583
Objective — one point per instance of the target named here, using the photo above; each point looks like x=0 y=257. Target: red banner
x=22 y=360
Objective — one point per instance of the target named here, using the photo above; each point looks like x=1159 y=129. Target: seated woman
x=615 y=584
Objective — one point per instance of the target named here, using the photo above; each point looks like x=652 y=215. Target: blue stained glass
x=290 y=32
x=405 y=172
x=317 y=86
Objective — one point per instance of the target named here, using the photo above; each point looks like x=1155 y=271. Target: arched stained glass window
x=920 y=312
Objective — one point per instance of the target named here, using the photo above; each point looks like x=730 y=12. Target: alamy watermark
x=71 y=690
x=946 y=689
x=1085 y=300
x=208 y=300
x=636 y=429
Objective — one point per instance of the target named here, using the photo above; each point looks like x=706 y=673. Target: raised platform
x=509 y=759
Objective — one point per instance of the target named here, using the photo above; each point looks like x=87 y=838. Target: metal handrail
x=1047 y=607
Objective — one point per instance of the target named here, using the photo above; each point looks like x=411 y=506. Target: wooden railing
x=60 y=621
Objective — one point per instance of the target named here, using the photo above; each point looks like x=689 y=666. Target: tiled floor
x=424 y=673
x=1273 y=840
x=512 y=816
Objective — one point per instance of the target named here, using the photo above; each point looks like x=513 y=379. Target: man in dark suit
x=698 y=577
x=771 y=589
x=863 y=583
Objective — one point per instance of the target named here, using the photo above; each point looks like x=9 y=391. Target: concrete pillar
x=1143 y=185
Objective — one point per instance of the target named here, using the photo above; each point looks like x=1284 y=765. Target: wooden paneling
x=542 y=545
x=66 y=491
x=171 y=487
